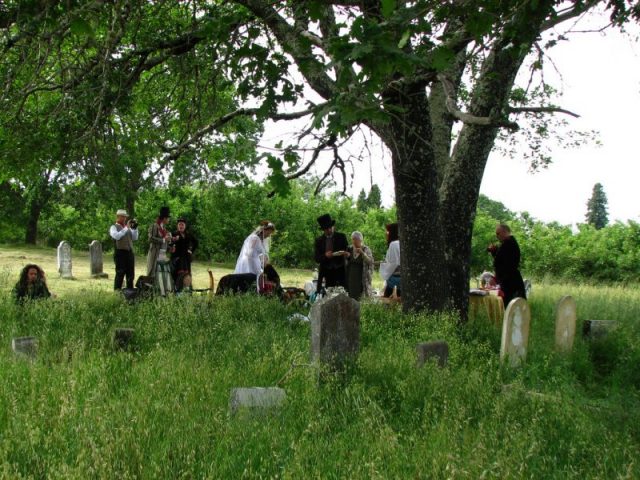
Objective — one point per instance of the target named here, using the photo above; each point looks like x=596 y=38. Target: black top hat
x=164 y=212
x=326 y=221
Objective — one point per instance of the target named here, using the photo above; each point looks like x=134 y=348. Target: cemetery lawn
x=82 y=409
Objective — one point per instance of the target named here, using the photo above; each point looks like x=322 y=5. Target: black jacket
x=339 y=243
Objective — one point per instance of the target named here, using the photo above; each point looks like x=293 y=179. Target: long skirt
x=163 y=281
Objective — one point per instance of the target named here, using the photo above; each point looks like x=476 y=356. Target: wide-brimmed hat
x=181 y=220
x=122 y=213
x=325 y=221
x=164 y=212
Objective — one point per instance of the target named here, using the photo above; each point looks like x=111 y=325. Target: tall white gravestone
x=515 y=332
x=64 y=260
x=95 y=260
x=565 y=324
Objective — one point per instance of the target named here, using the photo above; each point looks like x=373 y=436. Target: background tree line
x=222 y=215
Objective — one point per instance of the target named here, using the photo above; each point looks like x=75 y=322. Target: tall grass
x=84 y=410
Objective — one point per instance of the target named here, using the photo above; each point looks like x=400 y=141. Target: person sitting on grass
x=184 y=284
x=32 y=284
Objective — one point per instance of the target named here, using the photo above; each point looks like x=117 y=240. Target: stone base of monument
x=438 y=350
x=100 y=275
x=256 y=399
x=596 y=329
x=26 y=347
x=123 y=338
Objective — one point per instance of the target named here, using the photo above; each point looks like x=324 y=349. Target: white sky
x=601 y=82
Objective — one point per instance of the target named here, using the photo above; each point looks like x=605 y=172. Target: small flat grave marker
x=25 y=346
x=256 y=399
x=515 y=332
x=123 y=338
x=438 y=350
x=596 y=329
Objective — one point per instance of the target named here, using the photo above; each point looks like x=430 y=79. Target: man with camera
x=124 y=233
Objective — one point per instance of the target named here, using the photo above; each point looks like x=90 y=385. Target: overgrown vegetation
x=83 y=410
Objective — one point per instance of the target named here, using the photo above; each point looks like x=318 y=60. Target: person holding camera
x=124 y=234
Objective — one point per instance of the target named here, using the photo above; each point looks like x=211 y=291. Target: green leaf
x=404 y=39
x=81 y=28
x=442 y=58
x=387 y=7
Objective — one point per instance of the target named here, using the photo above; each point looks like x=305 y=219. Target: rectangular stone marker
x=256 y=399
x=597 y=328
x=64 y=260
x=565 y=324
x=438 y=350
x=25 y=346
x=95 y=260
x=123 y=338
x=515 y=332
x=335 y=330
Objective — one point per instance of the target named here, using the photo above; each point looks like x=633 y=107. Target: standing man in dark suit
x=331 y=253
x=506 y=263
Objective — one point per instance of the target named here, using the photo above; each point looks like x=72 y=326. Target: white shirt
x=253 y=256
x=391 y=260
x=117 y=235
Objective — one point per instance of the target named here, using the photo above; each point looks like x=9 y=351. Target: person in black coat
x=506 y=264
x=331 y=253
x=184 y=244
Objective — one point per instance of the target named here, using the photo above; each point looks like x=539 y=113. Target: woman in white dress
x=255 y=250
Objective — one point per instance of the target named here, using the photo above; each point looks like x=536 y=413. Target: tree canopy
x=165 y=81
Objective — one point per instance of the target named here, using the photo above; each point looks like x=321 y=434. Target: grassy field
x=83 y=410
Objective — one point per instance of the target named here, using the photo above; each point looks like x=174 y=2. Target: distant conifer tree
x=597 y=208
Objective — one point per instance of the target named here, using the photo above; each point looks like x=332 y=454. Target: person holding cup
x=359 y=267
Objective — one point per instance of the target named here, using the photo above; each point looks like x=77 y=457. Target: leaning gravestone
x=25 y=346
x=565 y=324
x=335 y=330
x=438 y=350
x=515 y=332
x=95 y=259
x=64 y=260
x=256 y=399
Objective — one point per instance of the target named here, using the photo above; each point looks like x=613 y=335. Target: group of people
x=169 y=257
x=351 y=265
x=340 y=263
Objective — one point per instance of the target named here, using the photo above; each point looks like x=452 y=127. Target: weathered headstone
x=123 y=338
x=598 y=328
x=335 y=330
x=256 y=399
x=438 y=350
x=64 y=260
x=25 y=346
x=565 y=324
x=515 y=332
x=95 y=260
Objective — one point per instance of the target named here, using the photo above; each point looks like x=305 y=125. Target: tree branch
x=542 y=110
x=468 y=118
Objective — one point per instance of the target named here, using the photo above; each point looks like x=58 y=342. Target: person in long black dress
x=330 y=253
x=506 y=264
x=184 y=244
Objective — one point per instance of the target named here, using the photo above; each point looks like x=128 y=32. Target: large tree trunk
x=38 y=197
x=31 y=234
x=409 y=137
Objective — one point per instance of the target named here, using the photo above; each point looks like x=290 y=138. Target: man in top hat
x=331 y=253
x=124 y=233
